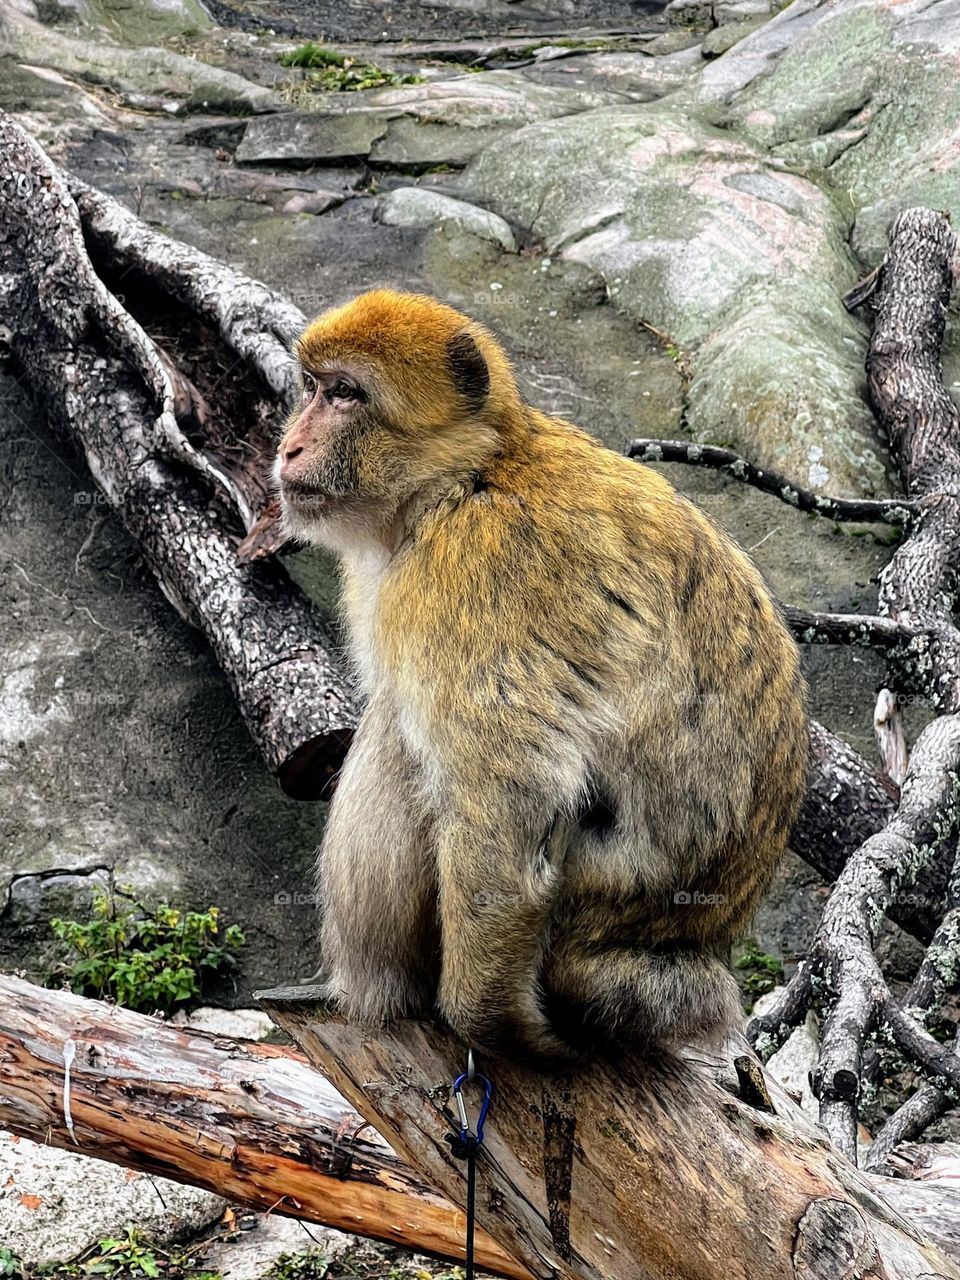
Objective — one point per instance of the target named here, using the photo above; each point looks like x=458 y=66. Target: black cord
x=463 y=1146
x=471 y=1209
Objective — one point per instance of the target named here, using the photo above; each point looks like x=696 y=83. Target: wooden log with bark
x=257 y=1124
x=187 y=490
x=252 y=1122
x=628 y=1171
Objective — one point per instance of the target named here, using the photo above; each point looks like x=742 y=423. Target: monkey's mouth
x=301 y=491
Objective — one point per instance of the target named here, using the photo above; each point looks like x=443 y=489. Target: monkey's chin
x=304 y=512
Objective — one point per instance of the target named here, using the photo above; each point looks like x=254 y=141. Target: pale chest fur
x=363 y=574
x=379 y=668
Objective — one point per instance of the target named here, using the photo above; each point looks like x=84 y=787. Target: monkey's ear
x=469 y=371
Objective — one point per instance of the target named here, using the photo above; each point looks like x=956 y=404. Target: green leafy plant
x=760 y=972
x=128 y=1257
x=144 y=958
x=312 y=55
x=9 y=1263
x=337 y=73
x=312 y=1265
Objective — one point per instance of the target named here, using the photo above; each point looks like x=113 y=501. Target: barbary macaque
x=584 y=736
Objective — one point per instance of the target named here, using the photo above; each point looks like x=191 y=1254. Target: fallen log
x=257 y=1124
x=108 y=386
x=627 y=1173
x=252 y=1122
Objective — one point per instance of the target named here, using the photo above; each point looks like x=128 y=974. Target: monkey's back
x=624 y=665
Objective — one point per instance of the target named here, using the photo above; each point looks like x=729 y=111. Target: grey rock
x=780 y=380
x=708 y=13
x=416 y=207
x=312 y=202
x=690 y=13
x=141 y=77
x=865 y=91
x=442 y=122
x=300 y=137
x=122 y=748
x=414 y=144
x=725 y=11
x=673 y=41
x=704 y=237
x=54 y=1204
x=253 y=1253
x=724 y=37
x=640 y=76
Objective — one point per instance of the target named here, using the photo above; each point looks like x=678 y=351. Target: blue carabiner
x=484 y=1106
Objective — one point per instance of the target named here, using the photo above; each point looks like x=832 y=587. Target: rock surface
x=54 y=1204
x=720 y=247
x=415 y=207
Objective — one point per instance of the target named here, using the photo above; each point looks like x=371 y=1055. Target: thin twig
x=895 y=511
x=869 y=630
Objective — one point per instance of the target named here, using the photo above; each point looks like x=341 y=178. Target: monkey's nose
x=287 y=458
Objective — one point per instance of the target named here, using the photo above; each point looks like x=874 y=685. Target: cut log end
x=310 y=772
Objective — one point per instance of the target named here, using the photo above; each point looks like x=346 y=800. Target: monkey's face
x=316 y=464
x=399 y=393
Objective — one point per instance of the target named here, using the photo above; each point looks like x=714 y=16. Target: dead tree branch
x=104 y=383
x=810 y=627
x=252 y=1122
x=576 y=1170
x=896 y=511
x=917 y=590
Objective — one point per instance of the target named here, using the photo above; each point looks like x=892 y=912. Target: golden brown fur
x=584 y=739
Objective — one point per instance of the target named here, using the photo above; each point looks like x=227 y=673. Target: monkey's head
x=400 y=392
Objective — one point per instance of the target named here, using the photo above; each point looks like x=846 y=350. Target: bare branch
x=810 y=627
x=894 y=511
x=906 y=387
x=927 y=815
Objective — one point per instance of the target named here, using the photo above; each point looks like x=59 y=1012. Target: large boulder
x=868 y=93
x=723 y=250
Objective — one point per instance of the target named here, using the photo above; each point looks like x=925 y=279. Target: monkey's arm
x=377 y=881
x=499 y=876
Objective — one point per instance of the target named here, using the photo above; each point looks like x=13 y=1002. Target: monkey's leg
x=498 y=885
x=625 y=996
x=377 y=881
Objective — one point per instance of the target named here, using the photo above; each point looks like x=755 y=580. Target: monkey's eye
x=344 y=391
x=309 y=387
